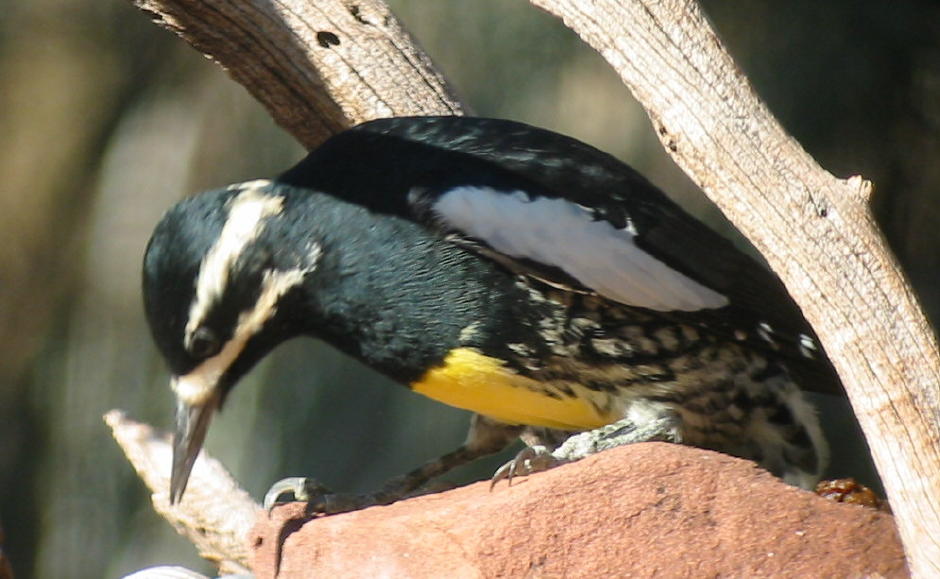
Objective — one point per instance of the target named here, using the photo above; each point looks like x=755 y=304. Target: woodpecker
x=507 y=270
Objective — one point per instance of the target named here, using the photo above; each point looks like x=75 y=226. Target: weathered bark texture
x=319 y=66
x=216 y=515
x=815 y=230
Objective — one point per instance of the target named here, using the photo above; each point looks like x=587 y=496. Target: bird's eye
x=203 y=343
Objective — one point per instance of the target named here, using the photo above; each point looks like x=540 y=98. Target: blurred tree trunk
x=910 y=210
x=48 y=164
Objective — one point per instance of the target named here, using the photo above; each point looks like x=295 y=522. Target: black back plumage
x=399 y=166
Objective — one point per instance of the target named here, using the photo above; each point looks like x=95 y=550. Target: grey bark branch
x=318 y=67
x=815 y=230
x=216 y=515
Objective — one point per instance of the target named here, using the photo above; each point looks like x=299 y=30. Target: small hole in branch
x=327 y=39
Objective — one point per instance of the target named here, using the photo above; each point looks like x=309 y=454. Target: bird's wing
x=534 y=194
x=560 y=210
x=559 y=234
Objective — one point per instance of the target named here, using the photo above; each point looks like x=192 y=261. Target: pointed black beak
x=192 y=424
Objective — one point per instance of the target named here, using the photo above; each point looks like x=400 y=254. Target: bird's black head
x=218 y=284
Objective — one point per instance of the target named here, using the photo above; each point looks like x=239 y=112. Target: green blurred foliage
x=107 y=120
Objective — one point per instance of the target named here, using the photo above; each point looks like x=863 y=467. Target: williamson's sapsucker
x=500 y=268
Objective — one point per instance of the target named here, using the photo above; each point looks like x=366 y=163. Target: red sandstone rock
x=643 y=510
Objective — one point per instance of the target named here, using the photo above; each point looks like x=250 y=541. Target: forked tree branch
x=320 y=66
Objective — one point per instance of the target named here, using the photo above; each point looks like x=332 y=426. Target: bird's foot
x=663 y=428
x=319 y=499
x=322 y=501
x=529 y=460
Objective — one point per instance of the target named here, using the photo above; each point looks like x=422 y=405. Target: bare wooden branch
x=319 y=66
x=815 y=230
x=216 y=514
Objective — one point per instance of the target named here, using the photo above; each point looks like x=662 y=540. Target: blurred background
x=107 y=120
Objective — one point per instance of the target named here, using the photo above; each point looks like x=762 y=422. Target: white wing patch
x=562 y=234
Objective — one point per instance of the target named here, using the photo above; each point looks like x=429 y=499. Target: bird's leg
x=542 y=454
x=486 y=436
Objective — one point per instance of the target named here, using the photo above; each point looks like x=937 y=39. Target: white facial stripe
x=560 y=233
x=274 y=284
x=245 y=185
x=247 y=214
x=197 y=386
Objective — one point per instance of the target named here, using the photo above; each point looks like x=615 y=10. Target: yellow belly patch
x=484 y=385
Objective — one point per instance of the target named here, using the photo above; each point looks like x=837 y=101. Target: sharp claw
x=529 y=460
x=500 y=474
x=521 y=465
x=302 y=489
x=319 y=499
x=513 y=468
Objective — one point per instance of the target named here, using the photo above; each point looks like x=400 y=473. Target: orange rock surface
x=645 y=510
